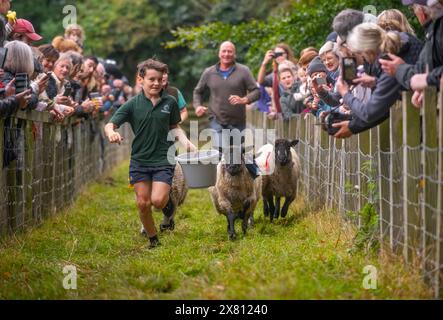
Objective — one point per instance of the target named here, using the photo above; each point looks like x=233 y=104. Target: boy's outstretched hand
x=115 y=138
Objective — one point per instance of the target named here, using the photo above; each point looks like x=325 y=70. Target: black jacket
x=431 y=55
x=8 y=106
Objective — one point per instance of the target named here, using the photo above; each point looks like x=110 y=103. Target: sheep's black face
x=234 y=160
x=282 y=150
x=234 y=169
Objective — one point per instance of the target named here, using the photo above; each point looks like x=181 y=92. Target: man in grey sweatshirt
x=231 y=86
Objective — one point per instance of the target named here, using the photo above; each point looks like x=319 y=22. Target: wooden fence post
x=395 y=175
x=411 y=145
x=429 y=164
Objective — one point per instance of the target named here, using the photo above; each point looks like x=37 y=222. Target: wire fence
x=397 y=166
x=45 y=165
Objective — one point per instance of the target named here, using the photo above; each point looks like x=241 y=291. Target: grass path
x=302 y=257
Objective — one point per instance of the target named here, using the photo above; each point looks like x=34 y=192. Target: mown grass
x=302 y=257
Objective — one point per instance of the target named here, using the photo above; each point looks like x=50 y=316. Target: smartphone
x=385 y=57
x=349 y=69
x=21 y=82
x=68 y=90
x=3 y=54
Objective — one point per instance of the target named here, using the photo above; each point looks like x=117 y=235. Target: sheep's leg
x=271 y=207
x=231 y=225
x=244 y=225
x=244 y=216
x=168 y=217
x=251 y=221
x=265 y=207
x=288 y=201
x=277 y=207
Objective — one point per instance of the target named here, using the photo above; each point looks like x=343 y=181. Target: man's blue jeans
x=223 y=140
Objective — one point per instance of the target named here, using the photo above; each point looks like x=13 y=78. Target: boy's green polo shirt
x=150 y=126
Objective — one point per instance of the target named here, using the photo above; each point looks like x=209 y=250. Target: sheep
x=179 y=191
x=235 y=194
x=281 y=173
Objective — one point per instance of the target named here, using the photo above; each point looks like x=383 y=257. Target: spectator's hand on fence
x=23 y=98
x=236 y=100
x=343 y=131
x=58 y=117
x=10 y=88
x=68 y=111
x=365 y=81
x=200 y=111
x=88 y=106
x=419 y=82
x=417 y=99
x=391 y=66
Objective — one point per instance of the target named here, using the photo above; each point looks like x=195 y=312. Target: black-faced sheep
x=282 y=171
x=235 y=194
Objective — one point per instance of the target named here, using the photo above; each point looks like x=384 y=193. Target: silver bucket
x=199 y=168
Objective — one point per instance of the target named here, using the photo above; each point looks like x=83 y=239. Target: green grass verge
x=302 y=257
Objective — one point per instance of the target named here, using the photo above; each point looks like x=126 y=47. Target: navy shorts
x=140 y=173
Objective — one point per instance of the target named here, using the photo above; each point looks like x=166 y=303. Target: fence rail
x=45 y=165
x=402 y=159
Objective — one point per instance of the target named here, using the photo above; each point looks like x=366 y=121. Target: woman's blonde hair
x=371 y=37
x=394 y=20
x=75 y=27
x=19 y=58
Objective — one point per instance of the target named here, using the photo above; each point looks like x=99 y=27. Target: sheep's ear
x=294 y=143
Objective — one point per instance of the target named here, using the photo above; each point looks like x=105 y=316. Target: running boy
x=152 y=114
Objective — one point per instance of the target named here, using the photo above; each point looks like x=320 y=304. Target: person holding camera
x=282 y=52
x=317 y=73
x=373 y=43
x=18 y=70
x=56 y=95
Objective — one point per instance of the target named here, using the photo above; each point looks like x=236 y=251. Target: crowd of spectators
x=55 y=77
x=359 y=72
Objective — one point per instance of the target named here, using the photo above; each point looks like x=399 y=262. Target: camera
x=278 y=54
x=21 y=82
x=3 y=54
x=349 y=69
x=320 y=81
x=335 y=117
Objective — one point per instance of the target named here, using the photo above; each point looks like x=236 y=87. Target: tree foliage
x=303 y=24
x=131 y=30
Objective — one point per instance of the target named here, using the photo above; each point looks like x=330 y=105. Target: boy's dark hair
x=93 y=58
x=151 y=64
x=49 y=52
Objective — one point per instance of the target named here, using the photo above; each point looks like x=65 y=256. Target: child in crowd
x=288 y=103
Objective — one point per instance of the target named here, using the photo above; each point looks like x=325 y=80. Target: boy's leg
x=143 y=191
x=160 y=194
